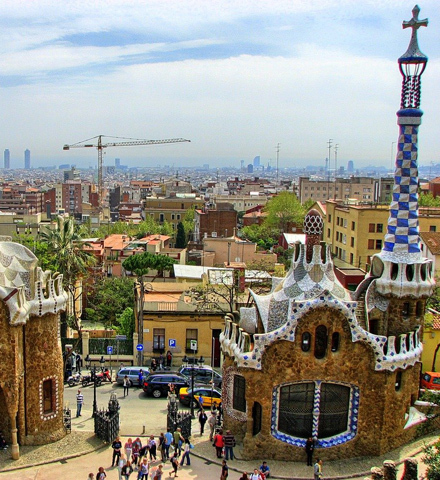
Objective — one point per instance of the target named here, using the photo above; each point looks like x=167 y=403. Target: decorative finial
x=413 y=53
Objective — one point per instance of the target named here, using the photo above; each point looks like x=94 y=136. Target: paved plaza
x=80 y=453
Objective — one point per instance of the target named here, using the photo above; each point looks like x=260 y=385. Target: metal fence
x=98 y=346
x=107 y=421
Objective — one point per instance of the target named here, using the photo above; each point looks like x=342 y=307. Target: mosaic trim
x=54 y=414
x=235 y=341
x=228 y=394
x=339 y=439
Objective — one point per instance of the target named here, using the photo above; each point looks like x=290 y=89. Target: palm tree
x=71 y=260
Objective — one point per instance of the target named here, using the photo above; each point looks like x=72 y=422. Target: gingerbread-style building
x=31 y=370
x=312 y=359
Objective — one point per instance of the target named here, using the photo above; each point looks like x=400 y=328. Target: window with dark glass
x=378 y=244
x=371 y=227
x=379 y=228
x=405 y=308
x=335 y=341
x=303 y=404
x=333 y=412
x=374 y=326
x=419 y=309
x=256 y=417
x=48 y=406
x=306 y=341
x=239 y=395
x=158 y=339
x=191 y=334
x=321 y=339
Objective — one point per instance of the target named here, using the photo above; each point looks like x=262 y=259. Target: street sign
x=121 y=337
x=139 y=347
x=193 y=344
x=110 y=350
x=172 y=343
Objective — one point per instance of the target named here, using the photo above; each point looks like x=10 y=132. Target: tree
x=141 y=263
x=126 y=323
x=434 y=300
x=108 y=298
x=432 y=459
x=284 y=210
x=71 y=260
x=180 y=237
x=263 y=235
x=428 y=200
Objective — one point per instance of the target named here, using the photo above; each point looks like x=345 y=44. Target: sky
x=234 y=77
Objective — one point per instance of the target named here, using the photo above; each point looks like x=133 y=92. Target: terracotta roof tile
x=432 y=241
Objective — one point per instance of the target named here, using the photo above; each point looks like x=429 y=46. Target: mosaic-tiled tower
x=401 y=268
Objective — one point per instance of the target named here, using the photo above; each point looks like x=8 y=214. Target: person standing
x=219 y=443
x=128 y=447
x=310 y=447
x=152 y=445
x=141 y=378
x=126 y=383
x=122 y=462
x=167 y=443
x=178 y=439
x=157 y=474
x=117 y=447
x=186 y=449
x=161 y=360
x=79 y=403
x=169 y=358
x=127 y=470
x=78 y=363
x=229 y=441
x=317 y=469
x=137 y=445
x=175 y=464
x=101 y=474
x=202 y=420
x=225 y=471
x=212 y=420
x=144 y=469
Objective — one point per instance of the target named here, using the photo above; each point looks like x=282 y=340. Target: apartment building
x=241 y=203
x=363 y=189
x=356 y=232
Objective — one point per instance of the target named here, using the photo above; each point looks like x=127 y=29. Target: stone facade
x=31 y=371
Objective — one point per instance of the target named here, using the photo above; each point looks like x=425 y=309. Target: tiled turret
x=401 y=268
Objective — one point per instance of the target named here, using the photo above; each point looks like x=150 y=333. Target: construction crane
x=127 y=142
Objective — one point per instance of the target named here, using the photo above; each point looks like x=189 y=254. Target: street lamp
x=194 y=349
x=95 y=404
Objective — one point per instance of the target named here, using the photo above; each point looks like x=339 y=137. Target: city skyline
x=234 y=79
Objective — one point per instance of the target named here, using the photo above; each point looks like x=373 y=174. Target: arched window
x=410 y=272
x=405 y=309
x=335 y=341
x=306 y=341
x=394 y=271
x=239 y=393
x=312 y=409
x=256 y=417
x=321 y=339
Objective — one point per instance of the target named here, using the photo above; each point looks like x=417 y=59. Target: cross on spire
x=413 y=52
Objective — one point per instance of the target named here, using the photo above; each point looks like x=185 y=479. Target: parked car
x=158 y=384
x=132 y=373
x=202 y=374
x=211 y=396
x=430 y=380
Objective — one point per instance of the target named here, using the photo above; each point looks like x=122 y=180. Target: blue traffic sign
x=172 y=343
x=139 y=347
x=110 y=350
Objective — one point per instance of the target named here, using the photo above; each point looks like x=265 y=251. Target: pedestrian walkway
x=82 y=453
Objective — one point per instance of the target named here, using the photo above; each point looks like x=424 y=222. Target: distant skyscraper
x=27 y=159
x=117 y=162
x=257 y=161
x=250 y=168
x=350 y=166
x=7 y=159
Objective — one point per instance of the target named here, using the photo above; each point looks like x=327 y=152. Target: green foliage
x=431 y=459
x=428 y=200
x=283 y=210
x=126 y=323
x=108 y=298
x=46 y=260
x=147 y=227
x=263 y=235
x=180 y=237
x=140 y=264
x=284 y=256
x=434 y=300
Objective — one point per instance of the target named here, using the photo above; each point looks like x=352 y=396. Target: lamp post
x=194 y=349
x=95 y=405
